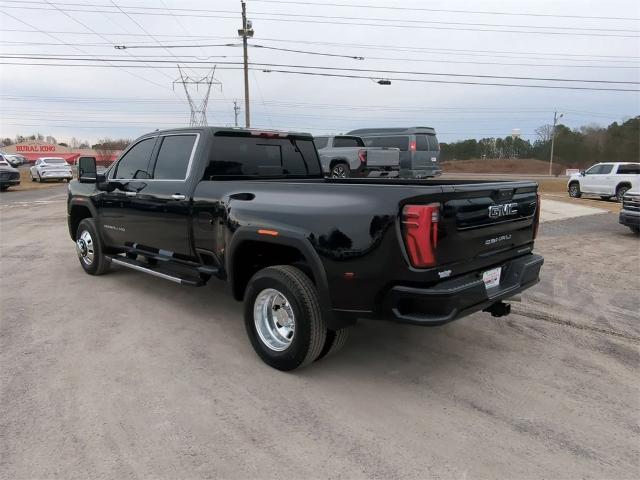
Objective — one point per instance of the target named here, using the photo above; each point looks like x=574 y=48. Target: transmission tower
x=197 y=104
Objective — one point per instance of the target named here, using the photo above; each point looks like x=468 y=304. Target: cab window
x=135 y=163
x=173 y=157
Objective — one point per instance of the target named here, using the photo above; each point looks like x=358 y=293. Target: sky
x=435 y=53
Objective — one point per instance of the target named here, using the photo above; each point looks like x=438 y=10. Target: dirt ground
x=129 y=376
x=527 y=166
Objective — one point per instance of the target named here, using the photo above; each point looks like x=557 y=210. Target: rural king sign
x=35 y=148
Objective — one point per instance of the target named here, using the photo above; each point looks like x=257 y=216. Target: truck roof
x=214 y=130
x=396 y=131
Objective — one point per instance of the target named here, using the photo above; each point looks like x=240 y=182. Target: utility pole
x=556 y=117
x=236 y=110
x=246 y=32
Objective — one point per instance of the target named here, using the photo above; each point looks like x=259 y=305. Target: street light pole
x=556 y=117
x=246 y=32
x=236 y=110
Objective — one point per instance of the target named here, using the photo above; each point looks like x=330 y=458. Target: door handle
x=130 y=194
x=178 y=196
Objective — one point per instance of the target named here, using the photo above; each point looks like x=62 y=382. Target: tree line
x=579 y=147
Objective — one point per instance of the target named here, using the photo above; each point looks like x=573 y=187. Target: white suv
x=606 y=180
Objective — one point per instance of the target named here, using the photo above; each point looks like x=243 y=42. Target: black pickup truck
x=308 y=255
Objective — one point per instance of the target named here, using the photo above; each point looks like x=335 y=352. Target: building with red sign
x=34 y=149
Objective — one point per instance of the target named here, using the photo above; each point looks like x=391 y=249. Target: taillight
x=412 y=146
x=536 y=219
x=420 y=231
x=362 y=155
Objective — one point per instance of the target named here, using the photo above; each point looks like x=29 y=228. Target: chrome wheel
x=574 y=190
x=339 y=171
x=85 y=247
x=620 y=193
x=274 y=319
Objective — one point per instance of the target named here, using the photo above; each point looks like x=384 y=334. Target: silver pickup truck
x=346 y=156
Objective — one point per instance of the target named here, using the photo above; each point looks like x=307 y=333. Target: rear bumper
x=459 y=297
x=629 y=219
x=424 y=173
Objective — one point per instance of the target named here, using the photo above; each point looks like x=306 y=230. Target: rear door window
x=347 y=142
x=235 y=155
x=632 y=169
x=135 y=163
x=434 y=146
x=422 y=144
x=321 y=142
x=400 y=141
x=173 y=157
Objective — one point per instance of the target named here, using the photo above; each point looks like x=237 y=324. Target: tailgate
x=383 y=157
x=480 y=221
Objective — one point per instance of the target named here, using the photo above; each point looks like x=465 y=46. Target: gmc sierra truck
x=345 y=156
x=308 y=255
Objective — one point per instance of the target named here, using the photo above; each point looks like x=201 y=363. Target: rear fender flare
x=286 y=238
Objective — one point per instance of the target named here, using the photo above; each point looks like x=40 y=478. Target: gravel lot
x=129 y=376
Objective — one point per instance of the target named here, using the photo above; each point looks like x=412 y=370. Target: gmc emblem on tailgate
x=497 y=211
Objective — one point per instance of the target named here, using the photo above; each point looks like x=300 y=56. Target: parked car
x=51 y=168
x=9 y=176
x=346 y=156
x=630 y=212
x=14 y=160
x=308 y=255
x=419 y=148
x=611 y=179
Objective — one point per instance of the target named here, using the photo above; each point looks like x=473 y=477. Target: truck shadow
x=375 y=349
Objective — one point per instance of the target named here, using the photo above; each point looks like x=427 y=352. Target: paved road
x=128 y=376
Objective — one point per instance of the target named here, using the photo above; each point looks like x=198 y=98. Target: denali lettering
x=502 y=238
x=497 y=211
x=113 y=227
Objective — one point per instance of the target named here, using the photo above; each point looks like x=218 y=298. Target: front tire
x=283 y=318
x=90 y=249
x=635 y=230
x=340 y=170
x=574 y=190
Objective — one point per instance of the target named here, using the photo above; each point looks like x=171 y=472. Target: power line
x=420 y=80
x=349 y=69
x=408 y=48
x=78 y=49
x=432 y=25
x=92 y=30
x=403 y=8
x=318 y=74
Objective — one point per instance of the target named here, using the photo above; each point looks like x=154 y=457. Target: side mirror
x=583 y=173
x=87 y=170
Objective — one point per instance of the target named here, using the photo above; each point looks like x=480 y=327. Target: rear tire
x=340 y=170
x=574 y=190
x=606 y=198
x=90 y=249
x=283 y=319
x=620 y=191
x=334 y=342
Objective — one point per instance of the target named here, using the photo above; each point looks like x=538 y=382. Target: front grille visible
x=631 y=203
